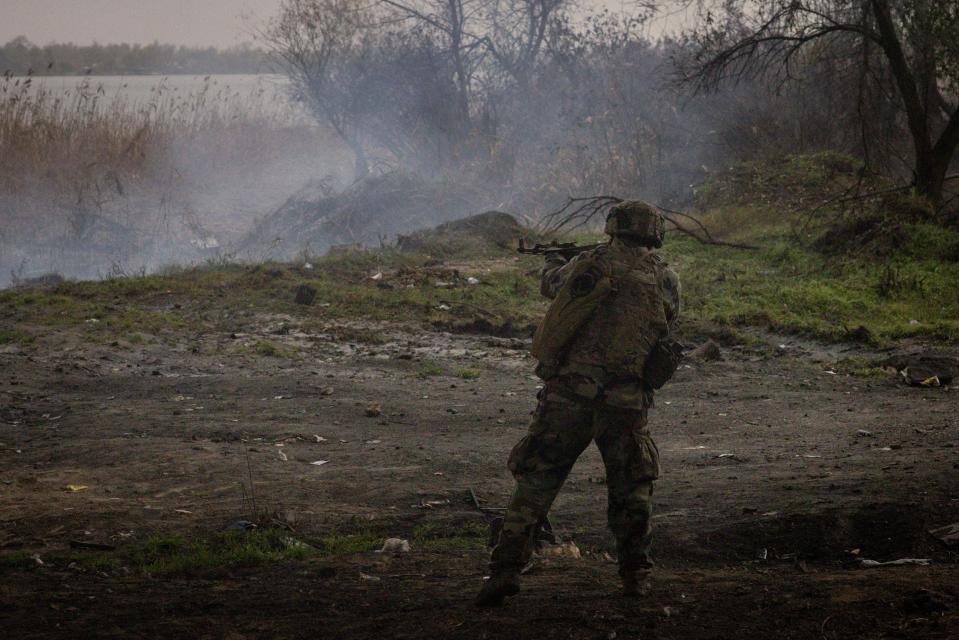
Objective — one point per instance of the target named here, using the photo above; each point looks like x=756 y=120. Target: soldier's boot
x=500 y=586
x=636 y=584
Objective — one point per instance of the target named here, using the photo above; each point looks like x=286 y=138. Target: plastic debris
x=319 y=463
x=921 y=562
x=369 y=578
x=472 y=280
x=395 y=546
x=319 y=438
x=308 y=266
x=73 y=488
x=282 y=456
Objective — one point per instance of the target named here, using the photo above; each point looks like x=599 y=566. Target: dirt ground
x=779 y=476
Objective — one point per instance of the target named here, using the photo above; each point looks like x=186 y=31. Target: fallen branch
x=578 y=212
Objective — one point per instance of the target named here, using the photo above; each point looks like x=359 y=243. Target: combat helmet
x=638 y=221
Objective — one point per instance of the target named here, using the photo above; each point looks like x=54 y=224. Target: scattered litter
x=377 y=276
x=373 y=410
x=694 y=448
x=438 y=473
x=862 y=433
x=472 y=280
x=445 y=285
x=921 y=562
x=444 y=307
x=282 y=456
x=564 y=550
x=726 y=455
x=308 y=266
x=319 y=463
x=319 y=438
x=931 y=381
x=948 y=534
x=183 y=511
x=73 y=488
x=395 y=546
x=92 y=321
x=830 y=372
x=430 y=504
x=369 y=578
x=810 y=455
x=913 y=323
x=373 y=442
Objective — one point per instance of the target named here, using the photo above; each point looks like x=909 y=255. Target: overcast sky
x=219 y=23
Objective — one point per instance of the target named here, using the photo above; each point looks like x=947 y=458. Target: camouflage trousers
x=559 y=432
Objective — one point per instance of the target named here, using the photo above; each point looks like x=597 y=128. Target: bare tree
x=915 y=41
x=321 y=45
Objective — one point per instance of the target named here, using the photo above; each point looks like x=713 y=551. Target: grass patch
x=429 y=370
x=467 y=374
x=271 y=350
x=177 y=555
x=794 y=289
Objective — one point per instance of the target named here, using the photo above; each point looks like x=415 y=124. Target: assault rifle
x=567 y=250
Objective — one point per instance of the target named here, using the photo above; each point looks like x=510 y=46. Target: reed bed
x=92 y=171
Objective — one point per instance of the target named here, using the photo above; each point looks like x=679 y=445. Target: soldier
x=601 y=351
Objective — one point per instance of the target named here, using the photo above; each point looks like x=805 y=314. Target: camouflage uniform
x=577 y=405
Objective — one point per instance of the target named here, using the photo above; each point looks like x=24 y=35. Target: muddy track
x=779 y=475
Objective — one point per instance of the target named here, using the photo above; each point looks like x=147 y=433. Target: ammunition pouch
x=662 y=362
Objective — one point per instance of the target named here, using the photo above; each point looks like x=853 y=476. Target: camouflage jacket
x=589 y=382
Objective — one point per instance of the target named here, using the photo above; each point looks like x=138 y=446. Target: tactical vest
x=626 y=324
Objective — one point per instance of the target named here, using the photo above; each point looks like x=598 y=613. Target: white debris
x=395 y=546
x=472 y=280
x=319 y=463
x=922 y=562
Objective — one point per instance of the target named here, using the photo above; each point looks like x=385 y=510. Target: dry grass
x=95 y=170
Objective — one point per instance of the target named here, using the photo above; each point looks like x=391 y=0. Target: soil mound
x=371 y=211
x=492 y=229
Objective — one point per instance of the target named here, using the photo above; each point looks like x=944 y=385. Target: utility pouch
x=662 y=362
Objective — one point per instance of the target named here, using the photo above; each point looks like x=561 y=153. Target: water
x=262 y=93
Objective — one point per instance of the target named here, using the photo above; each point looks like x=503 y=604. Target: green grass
x=467 y=374
x=177 y=555
x=429 y=369
x=794 y=289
